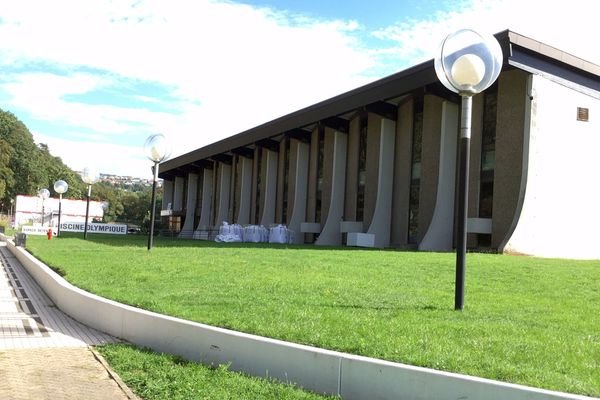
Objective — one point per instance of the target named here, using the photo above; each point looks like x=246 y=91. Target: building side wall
x=510 y=126
x=560 y=214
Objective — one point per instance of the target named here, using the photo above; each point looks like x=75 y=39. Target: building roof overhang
x=519 y=52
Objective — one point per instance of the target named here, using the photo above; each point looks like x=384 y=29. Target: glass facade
x=488 y=160
x=286 y=180
x=362 y=167
x=258 y=160
x=320 y=161
x=415 y=173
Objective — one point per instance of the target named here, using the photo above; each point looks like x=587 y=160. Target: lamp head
x=44 y=193
x=61 y=186
x=157 y=148
x=468 y=62
x=90 y=175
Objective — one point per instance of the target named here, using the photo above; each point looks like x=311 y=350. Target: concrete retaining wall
x=319 y=370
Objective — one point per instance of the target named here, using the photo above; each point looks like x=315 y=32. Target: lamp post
x=43 y=194
x=90 y=177
x=60 y=187
x=467 y=63
x=157 y=150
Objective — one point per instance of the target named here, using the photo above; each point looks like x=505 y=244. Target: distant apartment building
x=377 y=166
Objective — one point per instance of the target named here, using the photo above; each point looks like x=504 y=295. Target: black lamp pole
x=153 y=205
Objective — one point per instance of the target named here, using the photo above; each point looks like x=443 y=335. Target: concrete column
x=430 y=162
x=297 y=192
x=402 y=169
x=371 y=182
x=440 y=232
x=207 y=198
x=178 y=194
x=233 y=189
x=187 y=231
x=245 y=194
x=167 y=200
x=223 y=188
x=270 y=187
x=380 y=222
x=330 y=234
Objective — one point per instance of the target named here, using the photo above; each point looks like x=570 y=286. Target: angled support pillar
x=245 y=199
x=381 y=222
x=331 y=234
x=299 y=173
x=206 y=209
x=440 y=232
x=167 y=200
x=270 y=188
x=187 y=231
x=178 y=194
x=224 y=180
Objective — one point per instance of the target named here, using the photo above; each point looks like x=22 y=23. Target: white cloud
x=569 y=26
x=228 y=66
x=232 y=66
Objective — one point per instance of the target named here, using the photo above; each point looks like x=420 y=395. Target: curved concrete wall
x=207 y=199
x=440 y=232
x=299 y=183
x=381 y=220
x=331 y=234
x=224 y=191
x=187 y=231
x=560 y=211
x=270 y=187
x=322 y=371
x=245 y=200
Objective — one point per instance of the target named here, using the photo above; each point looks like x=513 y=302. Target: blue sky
x=92 y=79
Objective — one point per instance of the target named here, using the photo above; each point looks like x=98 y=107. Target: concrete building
x=376 y=166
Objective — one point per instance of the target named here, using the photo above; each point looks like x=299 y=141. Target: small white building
x=30 y=209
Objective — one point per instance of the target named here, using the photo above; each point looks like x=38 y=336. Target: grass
x=158 y=376
x=527 y=320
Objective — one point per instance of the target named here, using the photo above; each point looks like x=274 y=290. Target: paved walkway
x=44 y=354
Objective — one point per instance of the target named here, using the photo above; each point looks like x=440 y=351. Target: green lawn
x=526 y=320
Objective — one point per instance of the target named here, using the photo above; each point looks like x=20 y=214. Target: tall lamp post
x=43 y=194
x=157 y=150
x=60 y=187
x=90 y=177
x=467 y=63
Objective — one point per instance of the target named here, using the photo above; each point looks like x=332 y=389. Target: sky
x=93 y=79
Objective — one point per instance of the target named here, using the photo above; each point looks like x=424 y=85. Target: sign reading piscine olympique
x=115 y=229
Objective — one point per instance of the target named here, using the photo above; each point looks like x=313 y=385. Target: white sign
x=114 y=229
x=36 y=230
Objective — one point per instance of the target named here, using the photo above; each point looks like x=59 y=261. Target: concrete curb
x=322 y=371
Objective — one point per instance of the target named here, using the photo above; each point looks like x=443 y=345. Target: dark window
x=488 y=161
x=320 y=160
x=362 y=167
x=286 y=180
x=415 y=173
x=258 y=185
x=234 y=201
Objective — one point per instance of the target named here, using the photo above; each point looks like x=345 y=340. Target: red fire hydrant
x=49 y=233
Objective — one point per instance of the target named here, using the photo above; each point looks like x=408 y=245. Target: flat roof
x=519 y=52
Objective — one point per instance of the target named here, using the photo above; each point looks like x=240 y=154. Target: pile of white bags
x=230 y=233
x=254 y=234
